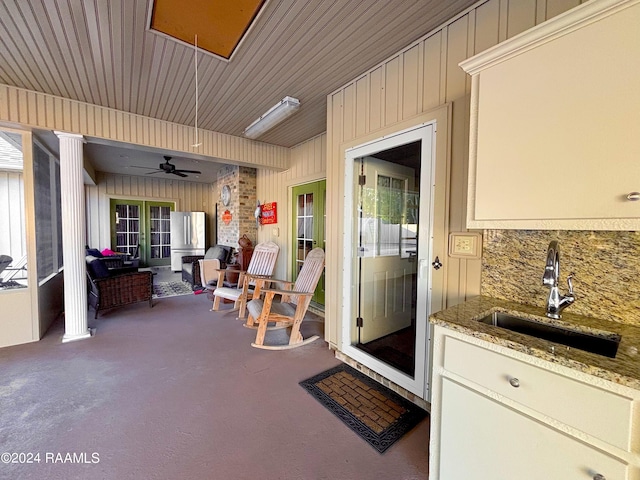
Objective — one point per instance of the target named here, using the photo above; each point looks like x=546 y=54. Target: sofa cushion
x=220 y=252
x=187 y=267
x=96 y=268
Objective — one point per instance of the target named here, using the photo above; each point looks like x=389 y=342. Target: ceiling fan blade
x=138 y=166
x=176 y=172
x=189 y=171
x=151 y=173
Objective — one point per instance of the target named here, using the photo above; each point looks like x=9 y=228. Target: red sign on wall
x=227 y=217
x=269 y=213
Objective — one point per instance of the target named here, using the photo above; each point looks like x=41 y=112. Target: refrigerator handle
x=184 y=229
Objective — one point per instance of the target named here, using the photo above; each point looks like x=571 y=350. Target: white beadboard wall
x=418 y=79
x=308 y=164
x=34 y=109
x=189 y=196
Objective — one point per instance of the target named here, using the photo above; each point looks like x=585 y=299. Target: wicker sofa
x=116 y=287
x=191 y=266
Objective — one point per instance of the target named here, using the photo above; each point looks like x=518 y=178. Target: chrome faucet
x=556 y=302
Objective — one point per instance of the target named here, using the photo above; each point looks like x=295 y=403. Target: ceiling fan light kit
x=276 y=114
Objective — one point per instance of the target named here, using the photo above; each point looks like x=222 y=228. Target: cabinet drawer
x=597 y=412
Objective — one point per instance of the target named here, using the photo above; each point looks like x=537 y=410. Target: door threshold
x=316 y=308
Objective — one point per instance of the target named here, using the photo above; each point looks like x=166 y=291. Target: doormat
x=171 y=289
x=379 y=415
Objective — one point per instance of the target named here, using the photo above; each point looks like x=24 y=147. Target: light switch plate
x=465 y=245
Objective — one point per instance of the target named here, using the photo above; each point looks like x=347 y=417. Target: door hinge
x=362 y=179
x=359 y=321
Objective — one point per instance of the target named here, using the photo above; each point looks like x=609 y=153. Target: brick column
x=242 y=182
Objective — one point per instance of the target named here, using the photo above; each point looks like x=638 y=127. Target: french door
x=145 y=224
x=309 y=206
x=388 y=246
x=158 y=233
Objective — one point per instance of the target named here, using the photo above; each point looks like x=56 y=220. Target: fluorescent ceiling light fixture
x=276 y=114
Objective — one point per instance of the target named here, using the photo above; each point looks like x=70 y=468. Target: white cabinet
x=544 y=391
x=501 y=415
x=498 y=443
x=555 y=124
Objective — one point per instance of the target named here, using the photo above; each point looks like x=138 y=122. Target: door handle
x=184 y=230
x=421 y=266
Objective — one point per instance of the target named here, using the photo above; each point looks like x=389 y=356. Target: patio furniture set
x=112 y=282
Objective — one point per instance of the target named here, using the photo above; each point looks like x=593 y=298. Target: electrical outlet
x=465 y=244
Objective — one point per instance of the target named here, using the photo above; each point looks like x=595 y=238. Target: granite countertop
x=624 y=369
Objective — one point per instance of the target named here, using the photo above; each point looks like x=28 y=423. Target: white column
x=74 y=221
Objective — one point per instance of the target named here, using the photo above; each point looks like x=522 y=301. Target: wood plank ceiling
x=102 y=53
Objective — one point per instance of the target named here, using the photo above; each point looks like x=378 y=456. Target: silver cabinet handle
x=515 y=383
x=633 y=196
x=597 y=476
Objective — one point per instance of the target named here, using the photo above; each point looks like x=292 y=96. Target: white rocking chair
x=261 y=266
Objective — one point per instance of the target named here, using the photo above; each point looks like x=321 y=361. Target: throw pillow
x=221 y=252
x=94 y=252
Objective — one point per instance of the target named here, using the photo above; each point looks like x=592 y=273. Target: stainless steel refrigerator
x=187 y=236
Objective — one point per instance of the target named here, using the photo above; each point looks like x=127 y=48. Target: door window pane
x=160 y=225
x=390 y=206
x=308 y=227
x=127 y=228
x=304 y=228
x=309 y=204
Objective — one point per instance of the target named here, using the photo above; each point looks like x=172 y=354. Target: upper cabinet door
x=555 y=124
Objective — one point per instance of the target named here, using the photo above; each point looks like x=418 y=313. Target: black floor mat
x=376 y=413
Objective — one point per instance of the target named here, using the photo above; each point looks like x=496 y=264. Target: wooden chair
x=293 y=305
x=250 y=281
x=191 y=266
x=209 y=269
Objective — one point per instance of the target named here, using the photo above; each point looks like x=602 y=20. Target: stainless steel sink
x=606 y=345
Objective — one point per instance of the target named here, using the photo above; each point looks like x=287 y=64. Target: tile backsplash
x=606 y=267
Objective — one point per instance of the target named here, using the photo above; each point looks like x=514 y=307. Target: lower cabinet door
x=484 y=439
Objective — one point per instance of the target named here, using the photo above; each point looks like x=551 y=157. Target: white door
x=386 y=267
x=388 y=246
